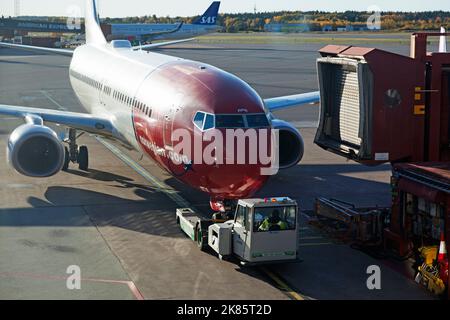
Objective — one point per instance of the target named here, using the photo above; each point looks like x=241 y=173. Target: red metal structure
x=377 y=107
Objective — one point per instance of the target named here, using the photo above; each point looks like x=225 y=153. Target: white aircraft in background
x=139 y=98
x=206 y=23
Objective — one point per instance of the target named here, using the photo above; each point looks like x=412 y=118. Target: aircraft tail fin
x=443 y=42
x=94 y=33
x=210 y=15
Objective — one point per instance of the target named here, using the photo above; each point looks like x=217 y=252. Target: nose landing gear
x=223 y=209
x=75 y=154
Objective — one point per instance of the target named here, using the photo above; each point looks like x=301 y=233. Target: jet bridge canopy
x=378 y=106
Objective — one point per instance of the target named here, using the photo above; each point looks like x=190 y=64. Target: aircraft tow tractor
x=263 y=231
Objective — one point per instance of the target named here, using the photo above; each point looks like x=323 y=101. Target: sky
x=120 y=8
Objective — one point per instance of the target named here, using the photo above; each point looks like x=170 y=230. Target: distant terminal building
x=49 y=42
x=35 y=32
x=11 y=25
x=287 y=27
x=327 y=28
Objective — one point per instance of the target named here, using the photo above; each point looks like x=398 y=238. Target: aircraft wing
x=75 y=120
x=67 y=52
x=64 y=52
x=160 y=44
x=159 y=33
x=278 y=103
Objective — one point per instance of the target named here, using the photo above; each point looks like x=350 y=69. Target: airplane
x=206 y=23
x=140 y=98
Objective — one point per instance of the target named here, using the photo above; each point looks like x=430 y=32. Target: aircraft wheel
x=83 y=158
x=202 y=242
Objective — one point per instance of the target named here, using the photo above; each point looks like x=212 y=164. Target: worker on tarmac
x=273 y=222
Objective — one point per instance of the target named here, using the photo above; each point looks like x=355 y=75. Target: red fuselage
x=180 y=90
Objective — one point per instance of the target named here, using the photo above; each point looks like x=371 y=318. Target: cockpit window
x=209 y=122
x=257 y=121
x=198 y=120
x=205 y=121
x=230 y=121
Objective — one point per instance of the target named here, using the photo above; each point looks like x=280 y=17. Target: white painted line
x=130 y=284
x=19 y=57
x=309 y=218
x=160 y=186
x=45 y=93
x=9 y=118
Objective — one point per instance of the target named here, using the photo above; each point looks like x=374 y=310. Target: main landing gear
x=75 y=154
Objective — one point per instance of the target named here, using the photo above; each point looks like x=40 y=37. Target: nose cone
x=210 y=89
x=233 y=181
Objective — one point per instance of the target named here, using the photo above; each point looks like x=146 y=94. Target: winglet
x=94 y=34
x=443 y=42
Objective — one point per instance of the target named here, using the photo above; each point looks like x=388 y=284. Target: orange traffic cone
x=442 y=255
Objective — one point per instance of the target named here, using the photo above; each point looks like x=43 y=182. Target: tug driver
x=273 y=222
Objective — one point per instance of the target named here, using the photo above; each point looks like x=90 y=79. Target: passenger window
x=209 y=122
x=198 y=120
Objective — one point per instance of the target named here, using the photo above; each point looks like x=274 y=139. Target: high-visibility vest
x=265 y=226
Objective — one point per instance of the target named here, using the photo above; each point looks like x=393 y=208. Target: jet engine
x=291 y=146
x=35 y=151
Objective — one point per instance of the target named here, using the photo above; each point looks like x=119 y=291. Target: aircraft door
x=168 y=126
x=104 y=92
x=169 y=119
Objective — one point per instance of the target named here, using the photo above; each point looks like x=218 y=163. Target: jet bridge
x=378 y=106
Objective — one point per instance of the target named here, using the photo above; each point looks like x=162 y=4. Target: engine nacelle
x=35 y=151
x=291 y=146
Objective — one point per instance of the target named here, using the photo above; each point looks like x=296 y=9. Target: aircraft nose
x=242 y=168
x=236 y=181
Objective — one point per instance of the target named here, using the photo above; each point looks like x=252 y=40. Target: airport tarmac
x=117 y=221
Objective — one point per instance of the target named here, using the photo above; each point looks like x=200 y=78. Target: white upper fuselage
x=122 y=31
x=123 y=70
